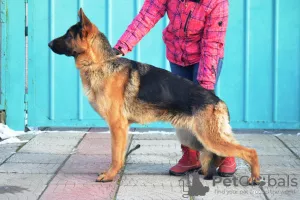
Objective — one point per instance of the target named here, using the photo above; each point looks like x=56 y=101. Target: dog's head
x=77 y=39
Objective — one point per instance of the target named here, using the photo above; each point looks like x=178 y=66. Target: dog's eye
x=69 y=36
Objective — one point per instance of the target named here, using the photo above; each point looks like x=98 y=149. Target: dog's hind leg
x=209 y=164
x=209 y=161
x=187 y=138
x=211 y=127
x=206 y=159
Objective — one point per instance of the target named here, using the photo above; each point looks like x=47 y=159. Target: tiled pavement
x=64 y=165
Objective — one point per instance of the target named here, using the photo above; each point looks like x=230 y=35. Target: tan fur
x=113 y=91
x=205 y=158
x=216 y=136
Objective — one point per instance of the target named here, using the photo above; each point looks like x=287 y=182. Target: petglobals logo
x=273 y=184
x=270 y=180
x=194 y=185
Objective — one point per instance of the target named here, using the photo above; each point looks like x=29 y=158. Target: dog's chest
x=101 y=102
x=97 y=96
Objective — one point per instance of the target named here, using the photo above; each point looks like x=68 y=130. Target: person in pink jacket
x=194 y=41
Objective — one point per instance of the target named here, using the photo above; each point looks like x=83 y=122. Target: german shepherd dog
x=123 y=92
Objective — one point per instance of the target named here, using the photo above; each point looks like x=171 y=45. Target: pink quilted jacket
x=196 y=33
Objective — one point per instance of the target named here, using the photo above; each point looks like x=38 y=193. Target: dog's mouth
x=60 y=51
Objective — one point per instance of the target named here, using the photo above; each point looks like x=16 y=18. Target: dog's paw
x=104 y=178
x=100 y=173
x=254 y=180
x=208 y=177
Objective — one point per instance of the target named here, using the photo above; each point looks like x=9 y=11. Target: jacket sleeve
x=152 y=11
x=212 y=44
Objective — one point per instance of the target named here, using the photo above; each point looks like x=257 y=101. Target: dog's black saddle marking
x=168 y=91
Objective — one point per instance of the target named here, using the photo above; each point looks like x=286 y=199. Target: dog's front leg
x=118 y=129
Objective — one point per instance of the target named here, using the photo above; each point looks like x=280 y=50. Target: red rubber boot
x=188 y=162
x=227 y=167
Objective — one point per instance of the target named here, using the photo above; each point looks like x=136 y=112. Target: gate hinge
x=26 y=31
x=26 y=18
x=26 y=101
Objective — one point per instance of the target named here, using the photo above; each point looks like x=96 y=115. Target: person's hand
x=118 y=52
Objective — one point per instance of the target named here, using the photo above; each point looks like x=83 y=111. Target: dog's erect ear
x=84 y=21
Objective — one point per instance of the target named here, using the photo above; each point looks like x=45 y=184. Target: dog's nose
x=50 y=44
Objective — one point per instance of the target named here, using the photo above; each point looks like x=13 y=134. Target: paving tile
x=77 y=158
x=81 y=164
x=53 y=141
x=37 y=158
x=272 y=151
x=28 y=168
x=9 y=148
x=77 y=179
x=153 y=159
x=61 y=134
x=22 y=186
x=292 y=141
x=242 y=167
x=163 y=169
x=149 y=193
x=159 y=149
x=279 y=164
x=283 y=187
x=96 y=135
x=296 y=151
x=146 y=168
x=26 y=136
x=155 y=136
x=157 y=143
x=170 y=160
x=101 y=191
x=234 y=193
x=258 y=140
x=94 y=146
x=264 y=144
x=98 y=130
x=95 y=143
x=235 y=187
x=47 y=149
x=170 y=187
x=4 y=156
x=146 y=176
x=151 y=180
x=150 y=187
x=24 y=179
x=65 y=129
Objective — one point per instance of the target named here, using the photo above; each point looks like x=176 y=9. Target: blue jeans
x=189 y=72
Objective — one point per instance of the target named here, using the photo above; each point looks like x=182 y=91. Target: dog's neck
x=100 y=51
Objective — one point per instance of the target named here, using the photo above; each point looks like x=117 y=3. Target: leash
x=135 y=148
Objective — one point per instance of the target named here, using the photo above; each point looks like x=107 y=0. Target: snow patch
x=8 y=136
x=13 y=140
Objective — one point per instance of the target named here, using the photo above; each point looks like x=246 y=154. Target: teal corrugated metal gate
x=12 y=63
x=2 y=63
x=260 y=80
